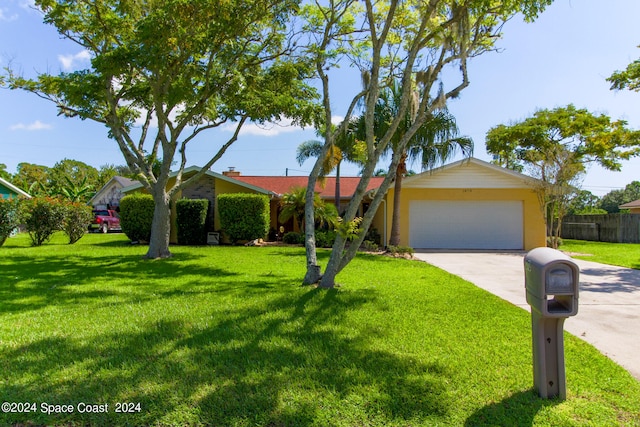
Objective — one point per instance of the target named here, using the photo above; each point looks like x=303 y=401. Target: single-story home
x=110 y=194
x=9 y=191
x=634 y=207
x=469 y=204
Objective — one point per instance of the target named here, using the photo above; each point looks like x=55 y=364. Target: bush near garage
x=191 y=219
x=136 y=216
x=325 y=239
x=244 y=216
x=8 y=217
x=293 y=238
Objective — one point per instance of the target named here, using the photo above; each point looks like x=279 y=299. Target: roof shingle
x=284 y=184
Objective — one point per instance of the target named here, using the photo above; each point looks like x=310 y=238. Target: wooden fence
x=616 y=228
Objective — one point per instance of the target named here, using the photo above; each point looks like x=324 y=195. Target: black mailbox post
x=551 y=282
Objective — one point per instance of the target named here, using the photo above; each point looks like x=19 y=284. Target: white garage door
x=466 y=224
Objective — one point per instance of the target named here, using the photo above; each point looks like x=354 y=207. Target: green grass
x=227 y=336
x=621 y=254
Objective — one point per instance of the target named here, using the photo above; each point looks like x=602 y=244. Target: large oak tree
x=164 y=71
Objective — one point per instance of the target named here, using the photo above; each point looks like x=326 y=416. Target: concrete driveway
x=609 y=306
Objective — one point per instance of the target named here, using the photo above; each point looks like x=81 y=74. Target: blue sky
x=564 y=57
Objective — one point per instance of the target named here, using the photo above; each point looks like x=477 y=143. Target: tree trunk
x=161 y=226
x=394 y=238
x=337 y=193
x=328 y=279
x=313 y=274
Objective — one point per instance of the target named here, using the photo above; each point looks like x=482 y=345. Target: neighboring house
x=9 y=191
x=111 y=193
x=470 y=204
x=634 y=207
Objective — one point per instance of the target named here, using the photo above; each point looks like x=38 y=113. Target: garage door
x=466 y=224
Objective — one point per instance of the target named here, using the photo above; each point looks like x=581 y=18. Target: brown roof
x=634 y=204
x=284 y=184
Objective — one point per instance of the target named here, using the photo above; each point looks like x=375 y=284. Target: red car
x=105 y=220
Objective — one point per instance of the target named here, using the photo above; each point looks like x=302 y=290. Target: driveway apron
x=609 y=301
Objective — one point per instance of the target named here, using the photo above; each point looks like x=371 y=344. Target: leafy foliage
x=556 y=145
x=293 y=205
x=3 y=172
x=615 y=198
x=136 y=216
x=413 y=42
x=77 y=217
x=244 y=216
x=293 y=238
x=8 y=217
x=171 y=70
x=434 y=142
x=191 y=218
x=627 y=79
x=325 y=238
x=42 y=216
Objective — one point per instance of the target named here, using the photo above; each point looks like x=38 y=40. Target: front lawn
x=621 y=254
x=226 y=336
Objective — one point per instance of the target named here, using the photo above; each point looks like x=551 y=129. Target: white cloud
x=266 y=129
x=69 y=62
x=336 y=120
x=37 y=125
x=6 y=16
x=28 y=4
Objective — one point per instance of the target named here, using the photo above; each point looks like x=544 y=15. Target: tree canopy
x=628 y=78
x=411 y=42
x=162 y=72
x=613 y=199
x=556 y=145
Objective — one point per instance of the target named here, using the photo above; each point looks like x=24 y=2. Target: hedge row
x=244 y=216
x=43 y=216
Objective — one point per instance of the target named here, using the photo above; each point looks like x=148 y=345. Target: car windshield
x=101 y=213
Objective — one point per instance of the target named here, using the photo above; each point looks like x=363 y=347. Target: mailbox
x=551 y=282
x=551 y=279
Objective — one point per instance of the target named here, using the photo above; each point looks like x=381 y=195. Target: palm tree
x=345 y=148
x=293 y=204
x=435 y=142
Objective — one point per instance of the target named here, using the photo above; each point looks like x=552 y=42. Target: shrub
x=136 y=216
x=8 y=218
x=324 y=239
x=400 y=250
x=373 y=236
x=77 y=217
x=293 y=238
x=42 y=216
x=554 y=242
x=191 y=219
x=369 y=246
x=244 y=216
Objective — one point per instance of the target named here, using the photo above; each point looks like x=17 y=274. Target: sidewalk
x=609 y=301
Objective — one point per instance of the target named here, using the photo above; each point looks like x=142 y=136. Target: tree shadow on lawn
x=518 y=410
x=296 y=363
x=30 y=283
